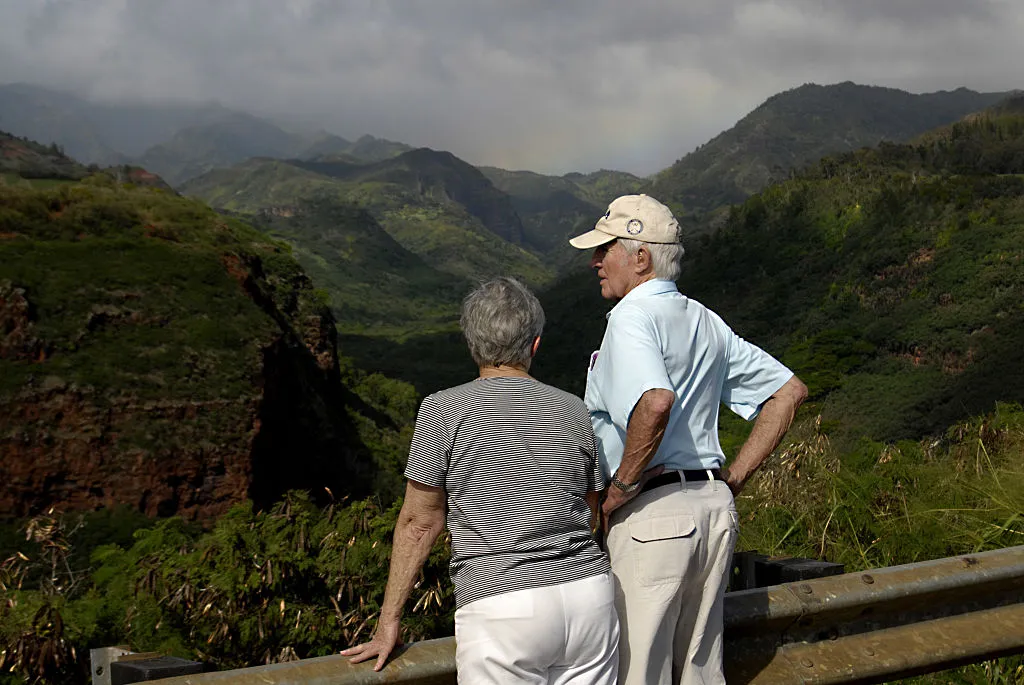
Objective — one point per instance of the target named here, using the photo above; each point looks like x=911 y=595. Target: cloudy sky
x=547 y=85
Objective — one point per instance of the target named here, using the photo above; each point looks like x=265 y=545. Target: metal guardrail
x=878 y=625
x=853 y=628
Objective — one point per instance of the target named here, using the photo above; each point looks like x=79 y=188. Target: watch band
x=625 y=487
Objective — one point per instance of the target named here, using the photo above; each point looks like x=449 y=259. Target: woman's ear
x=535 y=347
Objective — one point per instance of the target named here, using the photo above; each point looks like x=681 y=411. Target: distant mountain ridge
x=434 y=204
x=91 y=132
x=178 y=141
x=798 y=127
x=366 y=149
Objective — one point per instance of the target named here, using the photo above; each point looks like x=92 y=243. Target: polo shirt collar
x=656 y=286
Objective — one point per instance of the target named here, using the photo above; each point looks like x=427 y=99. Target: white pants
x=565 y=633
x=670 y=550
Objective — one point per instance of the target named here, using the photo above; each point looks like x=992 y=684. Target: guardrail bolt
x=870 y=651
x=969 y=562
x=806 y=589
x=807 y=663
x=867 y=578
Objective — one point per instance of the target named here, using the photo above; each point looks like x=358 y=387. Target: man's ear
x=643 y=259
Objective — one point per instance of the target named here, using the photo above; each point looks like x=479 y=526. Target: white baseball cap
x=637 y=217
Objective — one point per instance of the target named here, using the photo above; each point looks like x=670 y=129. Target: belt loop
x=711 y=477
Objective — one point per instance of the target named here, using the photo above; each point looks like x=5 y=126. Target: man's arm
x=644 y=432
x=771 y=424
x=419 y=524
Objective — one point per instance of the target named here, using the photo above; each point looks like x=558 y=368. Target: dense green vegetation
x=373 y=283
x=296 y=581
x=290 y=582
x=434 y=205
x=116 y=277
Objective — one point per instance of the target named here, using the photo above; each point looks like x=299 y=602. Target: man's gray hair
x=665 y=257
x=500 y=320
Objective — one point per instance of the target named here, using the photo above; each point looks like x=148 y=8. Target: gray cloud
x=549 y=86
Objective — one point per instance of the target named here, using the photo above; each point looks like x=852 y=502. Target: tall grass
x=896 y=503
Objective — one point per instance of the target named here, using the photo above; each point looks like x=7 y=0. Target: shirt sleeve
x=431 y=448
x=631 y=363
x=752 y=377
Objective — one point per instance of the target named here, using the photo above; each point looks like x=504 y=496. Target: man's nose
x=595 y=259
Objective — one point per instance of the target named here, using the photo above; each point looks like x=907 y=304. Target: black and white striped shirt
x=516 y=458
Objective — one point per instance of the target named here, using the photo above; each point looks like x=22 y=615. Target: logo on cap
x=634 y=226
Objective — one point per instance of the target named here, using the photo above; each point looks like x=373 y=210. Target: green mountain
x=440 y=176
x=800 y=126
x=433 y=204
x=374 y=284
x=366 y=149
x=889 y=279
x=156 y=354
x=553 y=208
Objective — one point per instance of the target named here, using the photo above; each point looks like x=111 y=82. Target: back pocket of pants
x=662 y=546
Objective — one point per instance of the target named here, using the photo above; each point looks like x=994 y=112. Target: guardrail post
x=752 y=570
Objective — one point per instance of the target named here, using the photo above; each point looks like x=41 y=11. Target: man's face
x=613 y=268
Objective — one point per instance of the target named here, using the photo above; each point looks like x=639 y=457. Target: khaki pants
x=670 y=550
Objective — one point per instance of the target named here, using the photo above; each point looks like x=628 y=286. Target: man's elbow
x=658 y=402
x=794 y=391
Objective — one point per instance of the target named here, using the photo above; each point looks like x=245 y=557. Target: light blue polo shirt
x=658 y=338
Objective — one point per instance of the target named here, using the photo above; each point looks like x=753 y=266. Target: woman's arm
x=419 y=523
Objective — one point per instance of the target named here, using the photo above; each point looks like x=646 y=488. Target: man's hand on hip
x=615 y=498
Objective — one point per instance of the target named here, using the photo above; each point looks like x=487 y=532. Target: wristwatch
x=625 y=487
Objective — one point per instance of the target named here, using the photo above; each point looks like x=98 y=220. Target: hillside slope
x=433 y=204
x=25 y=159
x=890 y=279
x=799 y=126
x=374 y=284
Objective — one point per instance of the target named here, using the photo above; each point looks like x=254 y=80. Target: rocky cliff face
x=154 y=355
x=62 y=446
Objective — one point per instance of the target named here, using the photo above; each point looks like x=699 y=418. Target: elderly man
x=653 y=390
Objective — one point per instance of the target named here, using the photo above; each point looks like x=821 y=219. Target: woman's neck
x=504 y=370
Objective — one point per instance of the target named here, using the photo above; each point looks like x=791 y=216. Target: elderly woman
x=513 y=463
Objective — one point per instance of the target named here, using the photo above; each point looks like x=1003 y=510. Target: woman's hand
x=384 y=641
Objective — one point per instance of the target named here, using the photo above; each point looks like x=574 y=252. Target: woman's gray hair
x=665 y=257
x=500 y=320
